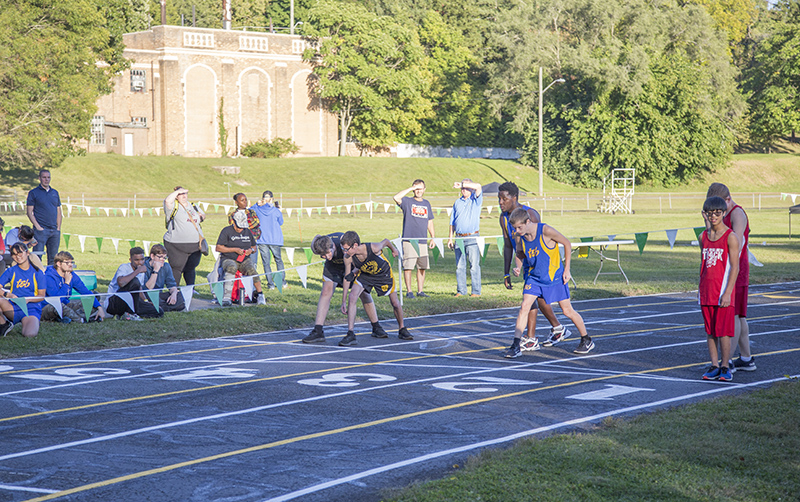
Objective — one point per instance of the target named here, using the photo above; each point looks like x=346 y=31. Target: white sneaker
x=130 y=317
x=528 y=344
x=557 y=337
x=261 y=299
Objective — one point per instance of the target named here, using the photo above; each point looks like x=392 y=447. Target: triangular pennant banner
x=460 y=244
x=338 y=209
x=481 y=245
x=436 y=253
x=132 y=243
x=127 y=298
x=108 y=213
x=99 y=244
x=188 y=293
x=415 y=245
x=583 y=251
x=289 y=211
x=87 y=302
x=386 y=208
x=348 y=207
x=114 y=211
x=329 y=209
x=146 y=248
x=438 y=211
x=671 y=235
x=440 y=245
x=290 y=254
x=309 y=254
x=66 y=240
x=611 y=237
x=88 y=210
x=124 y=211
x=55 y=301
x=141 y=212
x=698 y=231
x=277 y=277
x=484 y=251
x=449 y=211
x=641 y=240
x=217 y=289
x=500 y=245
x=115 y=242
x=150 y=211
x=22 y=304
x=302 y=271
x=153 y=295
x=489 y=209
x=247 y=282
x=82 y=240
x=308 y=210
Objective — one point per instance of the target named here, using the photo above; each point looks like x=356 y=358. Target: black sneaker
x=5 y=328
x=315 y=337
x=403 y=334
x=512 y=352
x=586 y=346
x=409 y=295
x=379 y=332
x=349 y=339
x=744 y=366
x=422 y=294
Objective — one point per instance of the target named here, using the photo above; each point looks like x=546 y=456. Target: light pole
x=541 y=94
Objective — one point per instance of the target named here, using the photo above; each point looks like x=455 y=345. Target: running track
x=263 y=417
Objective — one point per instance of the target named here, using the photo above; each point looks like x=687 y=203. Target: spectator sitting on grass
x=27 y=283
x=60 y=282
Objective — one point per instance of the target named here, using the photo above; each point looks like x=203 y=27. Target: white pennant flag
x=290 y=254
x=398 y=243
x=115 y=241
x=55 y=301
x=146 y=248
x=348 y=206
x=329 y=209
x=82 y=240
x=204 y=205
x=158 y=210
x=440 y=244
x=794 y=197
x=302 y=271
x=612 y=237
x=124 y=211
x=187 y=292
x=106 y=211
x=227 y=209
x=449 y=210
x=671 y=235
x=141 y=212
x=308 y=210
x=489 y=209
x=481 y=243
x=88 y=210
x=127 y=298
x=289 y=211
x=247 y=282
x=386 y=208
x=214 y=253
x=752 y=258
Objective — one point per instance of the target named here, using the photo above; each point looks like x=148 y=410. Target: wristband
x=507 y=276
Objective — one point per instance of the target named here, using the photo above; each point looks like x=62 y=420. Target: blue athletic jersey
x=510 y=228
x=24 y=283
x=542 y=264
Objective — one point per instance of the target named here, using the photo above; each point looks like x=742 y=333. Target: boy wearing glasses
x=365 y=269
x=719 y=248
x=27 y=283
x=60 y=282
x=158 y=276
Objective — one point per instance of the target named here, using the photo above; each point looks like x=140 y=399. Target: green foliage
x=772 y=81
x=223 y=131
x=51 y=74
x=266 y=149
x=371 y=71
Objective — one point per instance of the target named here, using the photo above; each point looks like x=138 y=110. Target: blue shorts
x=551 y=294
x=34 y=309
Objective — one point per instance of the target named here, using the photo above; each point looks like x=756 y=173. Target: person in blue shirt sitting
x=26 y=282
x=60 y=282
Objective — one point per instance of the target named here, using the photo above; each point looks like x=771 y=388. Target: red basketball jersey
x=743 y=279
x=715 y=270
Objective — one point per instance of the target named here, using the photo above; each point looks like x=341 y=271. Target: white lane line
x=322 y=397
x=15 y=488
x=505 y=439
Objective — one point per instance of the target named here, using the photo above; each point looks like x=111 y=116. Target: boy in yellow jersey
x=546 y=276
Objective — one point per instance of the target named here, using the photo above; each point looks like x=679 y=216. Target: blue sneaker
x=725 y=374
x=512 y=352
x=712 y=373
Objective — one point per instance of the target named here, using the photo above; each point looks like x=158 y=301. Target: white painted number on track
x=471 y=386
x=213 y=374
x=346 y=379
x=68 y=374
x=607 y=394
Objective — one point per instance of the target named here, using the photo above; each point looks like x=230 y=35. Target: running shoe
x=130 y=317
x=512 y=352
x=744 y=366
x=725 y=374
x=5 y=328
x=409 y=295
x=315 y=337
x=379 y=332
x=712 y=373
x=349 y=339
x=586 y=346
x=528 y=344
x=422 y=294
x=261 y=300
x=557 y=337
x=403 y=334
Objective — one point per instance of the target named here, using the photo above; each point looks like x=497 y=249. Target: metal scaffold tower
x=622 y=188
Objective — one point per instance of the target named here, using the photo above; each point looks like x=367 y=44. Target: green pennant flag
x=132 y=243
x=22 y=304
x=88 y=303
x=218 y=290
x=583 y=251
x=338 y=209
x=460 y=244
x=153 y=295
x=309 y=254
x=485 y=252
x=97 y=210
x=277 y=278
x=436 y=254
x=319 y=211
x=7 y=229
x=358 y=207
x=698 y=231
x=216 y=207
x=99 y=244
x=415 y=245
x=375 y=207
x=500 y=244
x=150 y=210
x=438 y=211
x=115 y=211
x=66 y=240
x=396 y=208
x=388 y=256
x=641 y=240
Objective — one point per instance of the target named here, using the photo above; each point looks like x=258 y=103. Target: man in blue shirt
x=61 y=280
x=44 y=211
x=270 y=238
x=465 y=224
x=157 y=277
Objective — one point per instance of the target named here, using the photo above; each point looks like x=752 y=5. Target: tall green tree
x=56 y=59
x=369 y=70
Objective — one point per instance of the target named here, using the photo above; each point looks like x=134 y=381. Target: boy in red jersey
x=719 y=268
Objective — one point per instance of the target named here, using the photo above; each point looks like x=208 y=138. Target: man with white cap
x=235 y=244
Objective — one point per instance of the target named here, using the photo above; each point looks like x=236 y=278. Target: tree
x=369 y=70
x=56 y=59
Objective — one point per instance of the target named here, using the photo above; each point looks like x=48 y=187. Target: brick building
x=168 y=102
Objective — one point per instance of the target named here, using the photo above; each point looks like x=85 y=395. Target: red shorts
x=719 y=321
x=740 y=300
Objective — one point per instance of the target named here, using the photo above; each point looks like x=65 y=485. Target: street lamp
x=541 y=94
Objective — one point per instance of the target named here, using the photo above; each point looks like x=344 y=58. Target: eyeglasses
x=161 y=256
x=347 y=249
x=715 y=212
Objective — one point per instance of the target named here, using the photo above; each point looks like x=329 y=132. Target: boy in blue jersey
x=545 y=276
x=26 y=282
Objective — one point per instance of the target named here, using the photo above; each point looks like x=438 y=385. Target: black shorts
x=333 y=273
x=383 y=284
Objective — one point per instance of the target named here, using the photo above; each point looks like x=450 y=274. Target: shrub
x=266 y=149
